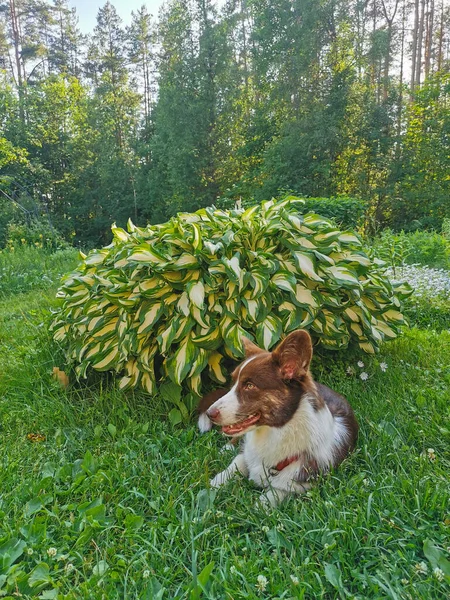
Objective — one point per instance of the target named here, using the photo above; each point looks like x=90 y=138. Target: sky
x=87 y=10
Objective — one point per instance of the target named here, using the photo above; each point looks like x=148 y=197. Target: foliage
x=253 y=99
x=346 y=212
x=188 y=290
x=446 y=228
x=38 y=233
x=84 y=517
x=424 y=188
x=420 y=247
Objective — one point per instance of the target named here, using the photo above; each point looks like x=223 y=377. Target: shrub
x=344 y=211
x=187 y=290
x=38 y=233
x=421 y=247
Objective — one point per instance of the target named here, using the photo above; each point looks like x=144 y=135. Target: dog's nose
x=213 y=413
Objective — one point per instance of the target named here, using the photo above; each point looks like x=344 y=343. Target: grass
x=30 y=268
x=115 y=502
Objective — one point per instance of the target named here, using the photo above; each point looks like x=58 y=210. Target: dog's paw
x=204 y=424
x=264 y=503
x=227 y=448
x=217 y=481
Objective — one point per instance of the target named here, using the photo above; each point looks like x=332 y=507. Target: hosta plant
x=181 y=294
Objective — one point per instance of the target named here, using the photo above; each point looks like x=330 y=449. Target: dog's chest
x=309 y=433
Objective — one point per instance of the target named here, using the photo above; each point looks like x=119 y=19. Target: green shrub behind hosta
x=187 y=290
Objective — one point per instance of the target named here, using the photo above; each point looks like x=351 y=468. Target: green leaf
x=175 y=416
x=196 y=292
x=10 y=551
x=436 y=557
x=171 y=392
x=268 y=332
x=100 y=568
x=306 y=266
x=133 y=522
x=285 y=281
x=333 y=575
x=40 y=575
x=112 y=429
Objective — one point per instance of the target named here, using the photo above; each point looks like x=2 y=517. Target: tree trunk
x=419 y=44
x=414 y=46
x=16 y=41
x=429 y=37
x=441 y=38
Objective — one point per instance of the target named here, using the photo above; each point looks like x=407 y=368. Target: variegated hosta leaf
x=183 y=293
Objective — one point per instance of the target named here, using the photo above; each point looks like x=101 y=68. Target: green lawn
x=115 y=502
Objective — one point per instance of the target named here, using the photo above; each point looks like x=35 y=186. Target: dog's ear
x=294 y=355
x=250 y=348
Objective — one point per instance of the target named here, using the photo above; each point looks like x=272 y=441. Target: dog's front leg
x=238 y=465
x=282 y=484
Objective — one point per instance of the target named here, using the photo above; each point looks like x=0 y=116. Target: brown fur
x=274 y=383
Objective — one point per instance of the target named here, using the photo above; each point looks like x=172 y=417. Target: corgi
x=293 y=427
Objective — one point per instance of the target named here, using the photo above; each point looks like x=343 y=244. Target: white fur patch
x=229 y=404
x=310 y=431
x=204 y=424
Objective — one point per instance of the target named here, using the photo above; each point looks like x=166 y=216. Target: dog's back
x=340 y=408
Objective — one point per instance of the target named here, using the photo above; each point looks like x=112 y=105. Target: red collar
x=286 y=462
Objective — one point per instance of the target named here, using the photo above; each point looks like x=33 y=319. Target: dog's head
x=267 y=386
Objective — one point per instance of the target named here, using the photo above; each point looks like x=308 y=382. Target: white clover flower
x=364 y=376
x=431 y=454
x=438 y=573
x=146 y=574
x=294 y=580
x=383 y=367
x=421 y=567
x=265 y=528
x=360 y=364
x=69 y=567
x=52 y=551
x=219 y=513
x=233 y=570
x=261 y=583
x=350 y=371
x=366 y=482
x=404 y=581
x=30 y=551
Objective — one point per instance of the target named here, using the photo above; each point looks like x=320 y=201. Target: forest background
x=216 y=102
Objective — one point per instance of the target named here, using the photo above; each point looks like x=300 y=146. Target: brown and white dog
x=294 y=427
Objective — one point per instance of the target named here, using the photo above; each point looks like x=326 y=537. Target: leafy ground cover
x=107 y=499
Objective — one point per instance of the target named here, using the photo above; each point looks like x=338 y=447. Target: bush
x=187 y=290
x=421 y=247
x=38 y=233
x=344 y=211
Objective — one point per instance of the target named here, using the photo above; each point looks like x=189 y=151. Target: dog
x=293 y=427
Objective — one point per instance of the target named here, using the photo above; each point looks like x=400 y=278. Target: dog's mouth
x=240 y=426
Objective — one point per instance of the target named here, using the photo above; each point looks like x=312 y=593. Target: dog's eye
x=249 y=386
